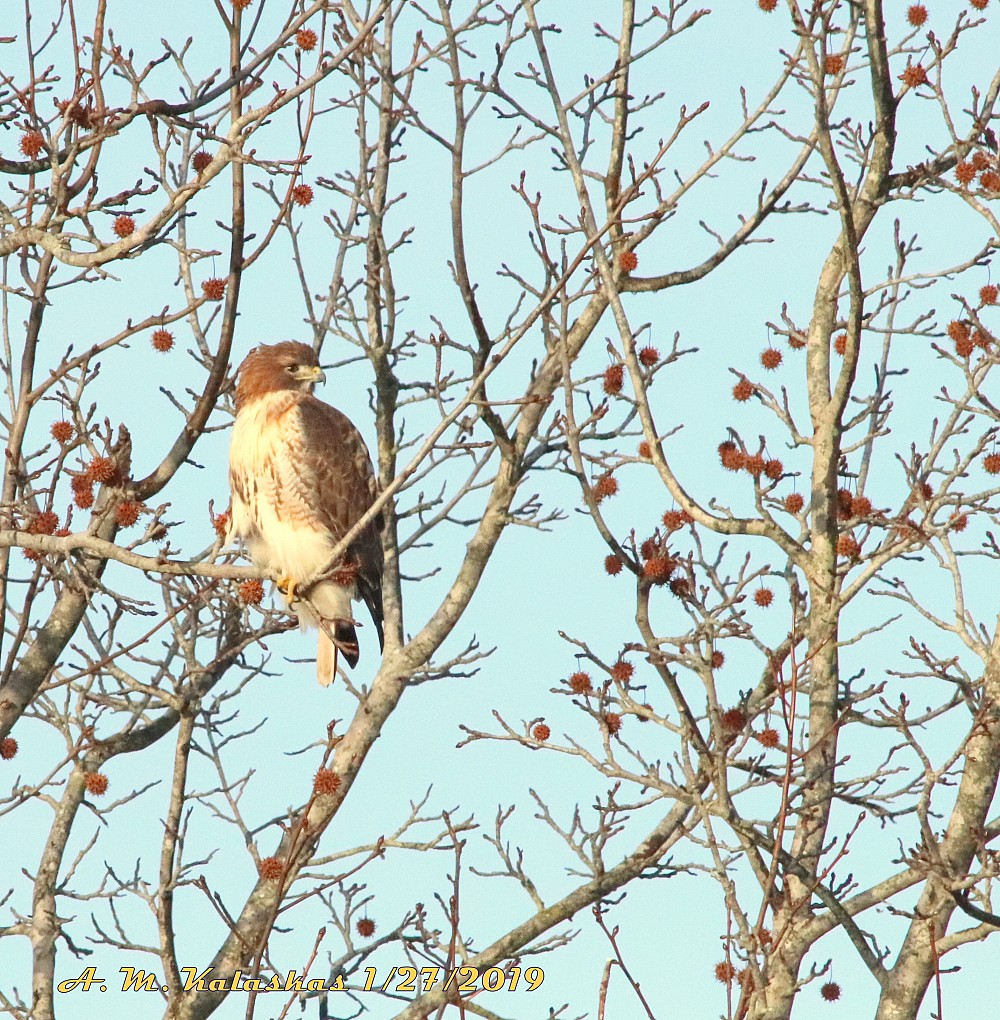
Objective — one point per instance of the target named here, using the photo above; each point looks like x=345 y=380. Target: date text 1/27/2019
x=398 y=979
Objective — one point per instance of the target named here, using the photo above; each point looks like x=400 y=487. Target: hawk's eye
x=292 y=368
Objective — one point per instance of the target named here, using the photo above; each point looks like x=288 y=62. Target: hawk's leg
x=287 y=586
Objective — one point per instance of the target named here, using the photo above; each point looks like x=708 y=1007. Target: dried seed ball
x=958 y=522
x=914 y=75
x=325 y=782
x=861 y=506
x=744 y=390
x=622 y=671
x=649 y=548
x=649 y=356
x=579 y=683
x=31 y=144
x=306 y=39
x=613 y=721
x=796 y=341
x=101 y=469
x=241 y=5
x=127 y=513
x=124 y=225
x=845 y=504
x=686 y=517
x=271 y=869
x=965 y=173
x=96 y=783
x=251 y=592
x=614 y=376
x=965 y=347
x=62 y=431
x=613 y=565
x=923 y=491
x=763 y=597
x=627 y=261
x=979 y=5
x=990 y=181
x=840 y=344
x=794 y=502
x=718 y=660
x=605 y=486
x=834 y=63
x=221 y=524
x=958 y=330
x=200 y=161
x=988 y=294
x=768 y=737
x=673 y=520
x=731 y=456
x=8 y=748
x=992 y=463
x=214 y=288
x=733 y=719
x=767 y=5
x=848 y=547
x=980 y=161
x=774 y=469
x=83 y=492
x=830 y=991
x=725 y=971
x=770 y=358
x=681 y=587
x=658 y=569
x=754 y=465
x=366 y=927
x=162 y=340
x=916 y=15
x=541 y=732
x=644 y=451
x=44 y=523
x=980 y=338
x=302 y=194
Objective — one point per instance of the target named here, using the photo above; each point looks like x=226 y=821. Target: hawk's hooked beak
x=311 y=374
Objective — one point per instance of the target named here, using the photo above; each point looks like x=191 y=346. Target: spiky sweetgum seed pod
x=965 y=173
x=622 y=671
x=102 y=470
x=767 y=5
x=658 y=569
x=613 y=721
x=673 y=520
x=959 y=330
x=325 y=782
x=834 y=63
x=214 y=288
x=627 y=261
x=8 y=748
x=644 y=451
x=845 y=503
x=958 y=522
x=366 y=927
x=541 y=732
x=988 y=294
x=613 y=565
x=579 y=683
x=718 y=660
x=96 y=783
x=614 y=376
x=200 y=161
x=830 y=991
x=221 y=524
x=763 y=597
x=770 y=358
x=733 y=719
x=127 y=513
x=743 y=390
x=680 y=587
x=754 y=465
x=44 y=523
x=62 y=431
x=241 y=5
x=306 y=39
x=649 y=548
x=251 y=592
x=162 y=340
x=916 y=15
x=649 y=356
x=774 y=469
x=861 y=506
x=980 y=338
x=914 y=75
x=605 y=486
x=768 y=737
x=796 y=341
x=848 y=547
x=990 y=181
x=794 y=502
x=964 y=347
x=980 y=161
x=31 y=144
x=271 y=869
x=991 y=462
x=731 y=457
x=725 y=971
x=840 y=344
x=302 y=194
x=83 y=496
x=124 y=225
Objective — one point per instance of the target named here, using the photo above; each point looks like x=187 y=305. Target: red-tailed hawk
x=301 y=478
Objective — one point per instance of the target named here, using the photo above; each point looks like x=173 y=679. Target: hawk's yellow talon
x=287 y=586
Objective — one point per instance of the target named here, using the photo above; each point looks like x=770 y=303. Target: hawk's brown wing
x=337 y=471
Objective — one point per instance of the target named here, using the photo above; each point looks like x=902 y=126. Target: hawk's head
x=271 y=368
